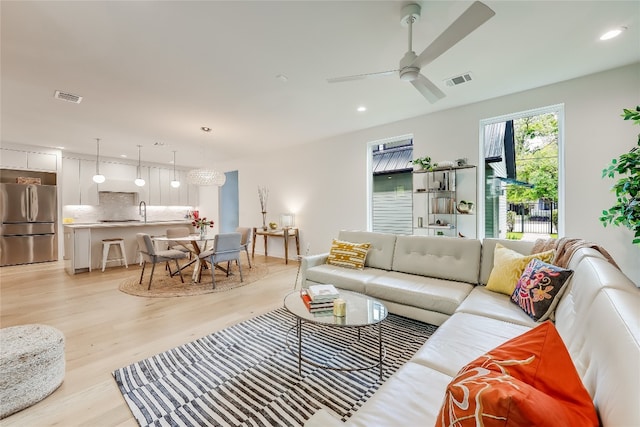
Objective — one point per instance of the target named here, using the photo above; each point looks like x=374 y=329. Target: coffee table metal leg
x=380 y=346
x=299 y=330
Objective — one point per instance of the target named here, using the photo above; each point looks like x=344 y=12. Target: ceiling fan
x=410 y=64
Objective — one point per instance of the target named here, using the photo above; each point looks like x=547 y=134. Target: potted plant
x=424 y=163
x=626 y=210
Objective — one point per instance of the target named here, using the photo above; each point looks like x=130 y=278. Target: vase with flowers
x=201 y=224
x=263 y=196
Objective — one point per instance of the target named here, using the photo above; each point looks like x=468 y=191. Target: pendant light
x=206 y=176
x=139 y=181
x=98 y=178
x=175 y=183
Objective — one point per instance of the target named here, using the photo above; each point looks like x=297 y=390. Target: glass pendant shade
x=175 y=183
x=139 y=181
x=98 y=178
x=206 y=177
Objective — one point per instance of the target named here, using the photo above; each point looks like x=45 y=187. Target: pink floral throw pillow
x=539 y=289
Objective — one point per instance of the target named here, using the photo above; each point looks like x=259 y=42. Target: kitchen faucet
x=141 y=211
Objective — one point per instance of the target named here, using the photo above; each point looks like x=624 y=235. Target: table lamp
x=287 y=220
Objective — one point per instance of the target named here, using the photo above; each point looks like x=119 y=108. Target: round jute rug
x=164 y=286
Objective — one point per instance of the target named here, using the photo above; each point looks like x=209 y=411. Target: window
x=523 y=193
x=391 y=184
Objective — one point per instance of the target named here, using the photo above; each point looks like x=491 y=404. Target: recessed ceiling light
x=612 y=33
x=362 y=109
x=205 y=129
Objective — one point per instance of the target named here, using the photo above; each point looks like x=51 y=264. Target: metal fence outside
x=533 y=217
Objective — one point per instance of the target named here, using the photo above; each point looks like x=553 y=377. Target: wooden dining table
x=195 y=244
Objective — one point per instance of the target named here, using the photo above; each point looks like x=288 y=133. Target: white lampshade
x=287 y=220
x=98 y=178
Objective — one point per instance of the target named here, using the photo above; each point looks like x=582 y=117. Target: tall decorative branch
x=263 y=195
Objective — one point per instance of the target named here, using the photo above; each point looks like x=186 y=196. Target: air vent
x=69 y=97
x=458 y=80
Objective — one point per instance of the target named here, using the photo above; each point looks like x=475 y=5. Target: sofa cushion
x=483 y=302
x=463 y=338
x=428 y=293
x=411 y=397
x=589 y=278
x=508 y=266
x=344 y=278
x=441 y=257
x=488 y=248
x=382 y=246
x=493 y=389
x=540 y=288
x=347 y=254
x=609 y=360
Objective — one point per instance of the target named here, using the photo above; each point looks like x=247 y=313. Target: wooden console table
x=285 y=234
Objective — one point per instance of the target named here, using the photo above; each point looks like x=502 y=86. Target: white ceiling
x=156 y=71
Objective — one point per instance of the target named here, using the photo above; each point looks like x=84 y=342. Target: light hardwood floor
x=106 y=329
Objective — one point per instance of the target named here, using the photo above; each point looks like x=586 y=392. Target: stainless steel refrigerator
x=28 y=224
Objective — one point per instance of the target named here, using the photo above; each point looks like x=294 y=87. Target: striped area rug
x=245 y=375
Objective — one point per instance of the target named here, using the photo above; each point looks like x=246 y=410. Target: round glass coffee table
x=361 y=311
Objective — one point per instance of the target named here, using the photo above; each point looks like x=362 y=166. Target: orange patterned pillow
x=529 y=380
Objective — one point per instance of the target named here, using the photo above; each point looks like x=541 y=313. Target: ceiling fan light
x=409 y=74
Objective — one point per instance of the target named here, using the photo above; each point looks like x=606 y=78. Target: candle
x=339 y=307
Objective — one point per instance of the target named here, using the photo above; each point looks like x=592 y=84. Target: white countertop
x=128 y=224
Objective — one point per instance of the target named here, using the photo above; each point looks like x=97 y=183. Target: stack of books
x=319 y=298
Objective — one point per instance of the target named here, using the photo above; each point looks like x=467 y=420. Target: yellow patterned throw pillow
x=347 y=254
x=508 y=266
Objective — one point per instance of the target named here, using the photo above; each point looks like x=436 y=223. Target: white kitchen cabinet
x=19 y=159
x=169 y=196
x=153 y=186
x=88 y=188
x=70 y=181
x=13 y=158
x=42 y=161
x=77 y=249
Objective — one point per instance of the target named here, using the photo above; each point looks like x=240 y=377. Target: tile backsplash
x=122 y=206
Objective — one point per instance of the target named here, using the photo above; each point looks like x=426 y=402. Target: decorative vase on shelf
x=264 y=221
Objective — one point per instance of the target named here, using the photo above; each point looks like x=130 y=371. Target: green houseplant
x=626 y=210
x=424 y=163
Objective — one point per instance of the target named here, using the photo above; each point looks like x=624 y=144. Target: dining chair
x=245 y=239
x=226 y=247
x=178 y=232
x=150 y=254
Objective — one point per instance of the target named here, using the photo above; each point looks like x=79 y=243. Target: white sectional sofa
x=441 y=281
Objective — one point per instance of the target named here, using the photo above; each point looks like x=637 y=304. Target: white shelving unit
x=436 y=202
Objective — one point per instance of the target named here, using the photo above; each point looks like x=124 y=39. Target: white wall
x=325 y=182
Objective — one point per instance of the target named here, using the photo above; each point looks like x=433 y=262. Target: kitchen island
x=83 y=242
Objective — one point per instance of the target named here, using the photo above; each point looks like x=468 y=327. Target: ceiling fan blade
x=427 y=89
x=476 y=15
x=361 y=76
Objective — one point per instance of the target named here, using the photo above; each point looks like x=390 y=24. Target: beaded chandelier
x=206 y=177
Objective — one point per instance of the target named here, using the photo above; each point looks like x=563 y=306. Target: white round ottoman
x=31 y=365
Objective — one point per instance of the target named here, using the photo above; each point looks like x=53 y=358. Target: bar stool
x=106 y=245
